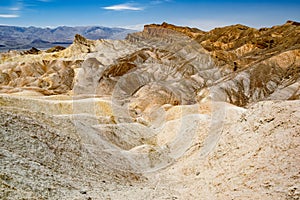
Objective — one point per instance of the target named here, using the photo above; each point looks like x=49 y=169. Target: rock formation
x=168 y=113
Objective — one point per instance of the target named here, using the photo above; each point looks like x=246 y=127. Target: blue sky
x=134 y=14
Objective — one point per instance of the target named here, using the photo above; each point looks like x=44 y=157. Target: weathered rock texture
x=257 y=62
x=169 y=113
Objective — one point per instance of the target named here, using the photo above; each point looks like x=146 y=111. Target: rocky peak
x=81 y=40
x=81 y=44
x=191 y=32
x=290 y=22
x=33 y=50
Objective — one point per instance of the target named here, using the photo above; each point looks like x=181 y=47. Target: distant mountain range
x=14 y=37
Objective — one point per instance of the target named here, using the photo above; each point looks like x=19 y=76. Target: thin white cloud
x=14 y=8
x=121 y=7
x=9 y=16
x=156 y=2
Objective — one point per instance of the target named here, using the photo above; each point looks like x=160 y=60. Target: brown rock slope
x=258 y=62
